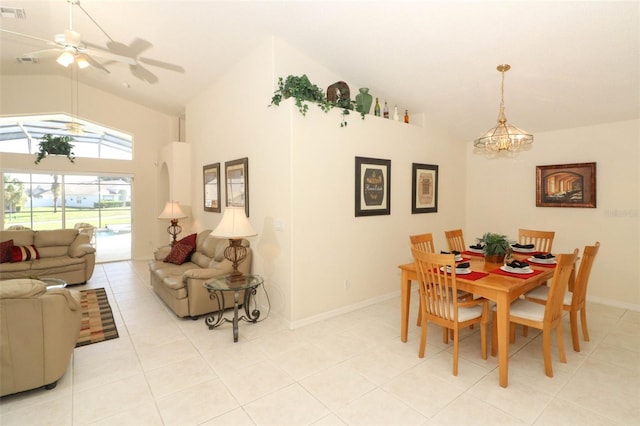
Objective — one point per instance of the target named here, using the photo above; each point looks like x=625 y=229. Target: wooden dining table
x=495 y=286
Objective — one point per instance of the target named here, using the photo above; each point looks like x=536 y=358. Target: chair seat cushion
x=527 y=310
x=469 y=312
x=542 y=293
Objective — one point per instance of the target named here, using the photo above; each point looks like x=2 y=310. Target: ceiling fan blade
x=143 y=74
x=161 y=64
x=40 y=53
x=98 y=53
x=96 y=64
x=44 y=40
x=138 y=46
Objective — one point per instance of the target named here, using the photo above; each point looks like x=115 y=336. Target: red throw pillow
x=189 y=240
x=5 y=251
x=179 y=254
x=24 y=253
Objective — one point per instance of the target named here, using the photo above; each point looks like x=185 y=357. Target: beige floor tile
x=466 y=410
x=237 y=417
x=337 y=385
x=196 y=404
x=101 y=402
x=379 y=408
x=563 y=412
x=50 y=412
x=254 y=381
x=146 y=414
x=179 y=375
x=292 y=405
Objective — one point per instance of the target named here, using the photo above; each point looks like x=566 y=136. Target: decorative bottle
x=376 y=109
x=363 y=100
x=385 y=112
x=406 y=116
x=395 y=113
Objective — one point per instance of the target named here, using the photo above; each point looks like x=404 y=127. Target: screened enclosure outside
x=97 y=205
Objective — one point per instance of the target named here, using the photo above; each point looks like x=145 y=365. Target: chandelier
x=503 y=137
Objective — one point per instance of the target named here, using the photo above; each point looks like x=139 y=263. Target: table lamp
x=173 y=212
x=235 y=226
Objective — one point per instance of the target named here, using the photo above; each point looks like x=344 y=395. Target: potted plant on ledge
x=495 y=248
x=55 y=145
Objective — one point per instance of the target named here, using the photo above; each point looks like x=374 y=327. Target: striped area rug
x=97 y=322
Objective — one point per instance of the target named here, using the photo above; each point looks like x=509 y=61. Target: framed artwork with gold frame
x=566 y=185
x=424 y=188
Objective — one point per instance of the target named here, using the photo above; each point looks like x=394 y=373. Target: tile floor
x=349 y=370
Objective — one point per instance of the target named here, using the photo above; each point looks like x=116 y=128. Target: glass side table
x=54 y=282
x=248 y=285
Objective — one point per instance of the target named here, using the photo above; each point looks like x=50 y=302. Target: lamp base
x=235 y=253
x=174 y=229
x=234 y=278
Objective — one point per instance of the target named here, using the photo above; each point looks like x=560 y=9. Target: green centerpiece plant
x=55 y=145
x=496 y=247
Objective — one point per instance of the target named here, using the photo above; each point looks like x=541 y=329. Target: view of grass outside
x=46 y=202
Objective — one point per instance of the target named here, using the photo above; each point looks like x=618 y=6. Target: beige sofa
x=39 y=329
x=181 y=287
x=64 y=253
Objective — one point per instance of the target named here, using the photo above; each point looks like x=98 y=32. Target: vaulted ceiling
x=573 y=63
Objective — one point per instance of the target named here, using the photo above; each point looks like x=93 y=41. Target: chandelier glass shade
x=503 y=136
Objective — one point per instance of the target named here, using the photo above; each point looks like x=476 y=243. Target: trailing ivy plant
x=302 y=91
x=55 y=145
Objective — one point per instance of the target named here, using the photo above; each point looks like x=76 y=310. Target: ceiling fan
x=71 y=49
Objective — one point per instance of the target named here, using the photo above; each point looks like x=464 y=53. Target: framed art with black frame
x=237 y=183
x=373 y=187
x=424 y=188
x=211 y=182
x=566 y=185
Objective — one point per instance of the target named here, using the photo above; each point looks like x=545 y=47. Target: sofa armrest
x=81 y=246
x=161 y=252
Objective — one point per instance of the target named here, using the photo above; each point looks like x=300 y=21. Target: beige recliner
x=39 y=329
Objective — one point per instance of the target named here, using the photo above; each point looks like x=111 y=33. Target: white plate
x=516 y=270
x=523 y=250
x=459 y=271
x=479 y=251
x=551 y=261
x=458 y=258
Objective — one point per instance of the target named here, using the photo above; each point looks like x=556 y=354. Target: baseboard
x=342 y=310
x=614 y=303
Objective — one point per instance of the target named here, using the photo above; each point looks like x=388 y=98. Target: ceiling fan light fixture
x=503 y=136
x=82 y=62
x=66 y=58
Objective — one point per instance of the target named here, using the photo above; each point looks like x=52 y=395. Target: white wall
x=301 y=173
x=150 y=129
x=501 y=198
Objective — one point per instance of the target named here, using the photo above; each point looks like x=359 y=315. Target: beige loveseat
x=64 y=253
x=39 y=328
x=181 y=287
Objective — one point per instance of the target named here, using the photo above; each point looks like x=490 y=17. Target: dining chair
x=544 y=317
x=440 y=307
x=423 y=242
x=455 y=240
x=576 y=297
x=542 y=240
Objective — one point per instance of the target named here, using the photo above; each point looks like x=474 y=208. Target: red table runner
x=470 y=253
x=499 y=271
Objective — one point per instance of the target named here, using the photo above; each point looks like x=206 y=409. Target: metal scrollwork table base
x=244 y=289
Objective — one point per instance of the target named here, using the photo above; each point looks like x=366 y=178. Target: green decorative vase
x=364 y=100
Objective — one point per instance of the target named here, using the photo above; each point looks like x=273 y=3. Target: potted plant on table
x=496 y=247
x=55 y=145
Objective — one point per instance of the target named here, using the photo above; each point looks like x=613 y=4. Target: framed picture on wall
x=237 y=183
x=211 y=182
x=566 y=185
x=424 y=188
x=373 y=187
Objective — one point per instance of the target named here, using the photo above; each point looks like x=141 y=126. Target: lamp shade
x=234 y=224
x=172 y=210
